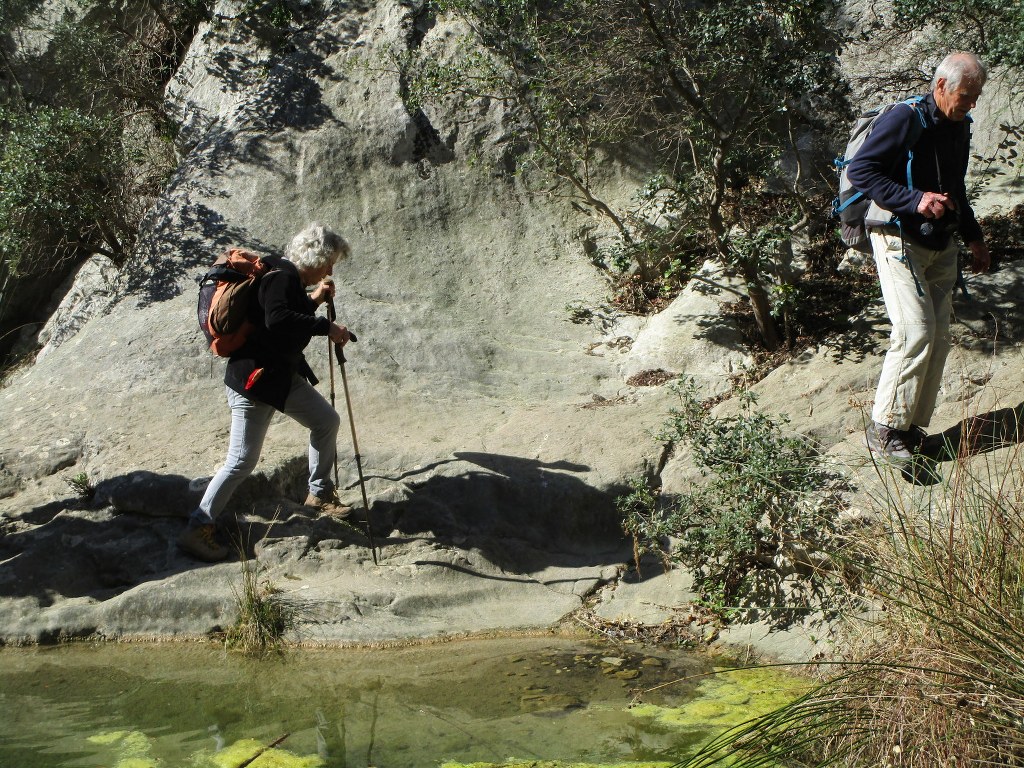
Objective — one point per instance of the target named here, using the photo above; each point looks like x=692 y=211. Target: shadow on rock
x=521 y=514
x=66 y=551
x=781 y=600
x=73 y=548
x=975 y=435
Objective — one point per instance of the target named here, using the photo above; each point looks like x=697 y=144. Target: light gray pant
x=917 y=285
x=250 y=420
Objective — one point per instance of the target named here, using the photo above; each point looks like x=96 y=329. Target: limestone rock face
x=494 y=432
x=691 y=337
x=485 y=423
x=87 y=293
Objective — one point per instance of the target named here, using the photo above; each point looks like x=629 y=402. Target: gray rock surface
x=492 y=437
x=494 y=431
x=691 y=336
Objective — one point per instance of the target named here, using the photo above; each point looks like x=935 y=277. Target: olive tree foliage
x=994 y=29
x=713 y=95
x=84 y=141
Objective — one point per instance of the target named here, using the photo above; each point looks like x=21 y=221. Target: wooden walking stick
x=337 y=349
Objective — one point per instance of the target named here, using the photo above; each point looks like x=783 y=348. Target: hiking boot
x=894 y=445
x=329 y=505
x=915 y=437
x=201 y=543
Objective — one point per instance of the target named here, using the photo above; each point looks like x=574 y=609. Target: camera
x=947 y=224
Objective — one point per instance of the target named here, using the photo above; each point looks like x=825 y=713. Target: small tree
x=713 y=93
x=765 y=498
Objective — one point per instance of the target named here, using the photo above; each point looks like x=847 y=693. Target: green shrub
x=766 y=502
x=935 y=676
x=56 y=169
x=81 y=485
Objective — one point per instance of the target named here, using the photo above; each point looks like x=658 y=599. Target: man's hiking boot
x=329 y=505
x=201 y=543
x=892 y=445
x=915 y=437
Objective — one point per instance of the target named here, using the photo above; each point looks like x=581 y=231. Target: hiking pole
x=330 y=367
x=332 y=316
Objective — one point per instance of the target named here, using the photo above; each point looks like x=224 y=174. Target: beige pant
x=917 y=285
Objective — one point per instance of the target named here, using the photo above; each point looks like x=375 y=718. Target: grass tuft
x=265 y=615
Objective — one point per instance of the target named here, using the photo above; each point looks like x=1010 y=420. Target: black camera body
x=948 y=224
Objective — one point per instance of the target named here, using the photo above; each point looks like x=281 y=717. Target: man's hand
x=933 y=205
x=980 y=258
x=338 y=334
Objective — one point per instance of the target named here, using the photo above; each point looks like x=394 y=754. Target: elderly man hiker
x=919 y=201
x=269 y=374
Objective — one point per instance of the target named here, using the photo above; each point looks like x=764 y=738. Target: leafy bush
x=56 y=167
x=935 y=675
x=83 y=146
x=767 y=501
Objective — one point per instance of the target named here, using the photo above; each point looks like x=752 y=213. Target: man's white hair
x=316 y=246
x=959 y=66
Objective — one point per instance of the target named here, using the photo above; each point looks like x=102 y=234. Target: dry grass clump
x=937 y=679
x=265 y=616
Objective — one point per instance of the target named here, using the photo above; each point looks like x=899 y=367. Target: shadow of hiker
x=975 y=435
x=72 y=548
x=126 y=536
x=521 y=514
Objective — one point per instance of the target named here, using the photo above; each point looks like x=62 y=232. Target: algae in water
x=555 y=764
x=730 y=697
x=134 y=747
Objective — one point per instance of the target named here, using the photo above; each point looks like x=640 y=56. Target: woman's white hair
x=958 y=66
x=316 y=246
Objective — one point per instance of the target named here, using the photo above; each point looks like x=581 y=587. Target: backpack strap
x=916 y=129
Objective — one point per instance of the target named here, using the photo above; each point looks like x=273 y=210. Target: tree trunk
x=755 y=284
x=762 y=307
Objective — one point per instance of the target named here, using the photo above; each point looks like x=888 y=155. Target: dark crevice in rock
x=423 y=20
x=422 y=143
x=427 y=143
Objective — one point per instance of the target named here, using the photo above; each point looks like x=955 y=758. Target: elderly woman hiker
x=269 y=373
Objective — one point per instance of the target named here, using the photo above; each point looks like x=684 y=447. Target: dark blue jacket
x=939 y=164
x=285 y=321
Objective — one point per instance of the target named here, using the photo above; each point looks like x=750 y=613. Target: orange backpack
x=225 y=293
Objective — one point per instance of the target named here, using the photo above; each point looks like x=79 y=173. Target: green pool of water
x=483 y=701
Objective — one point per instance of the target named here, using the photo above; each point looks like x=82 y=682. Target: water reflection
x=465 y=701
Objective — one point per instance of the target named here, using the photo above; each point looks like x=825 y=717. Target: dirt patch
x=652 y=378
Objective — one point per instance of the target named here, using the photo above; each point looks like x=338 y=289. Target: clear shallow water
x=464 y=701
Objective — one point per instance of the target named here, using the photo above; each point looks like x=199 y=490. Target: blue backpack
x=851 y=205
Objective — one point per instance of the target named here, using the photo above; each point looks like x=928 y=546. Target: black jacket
x=939 y=164
x=285 y=320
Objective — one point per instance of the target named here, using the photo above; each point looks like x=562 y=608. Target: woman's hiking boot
x=329 y=504
x=201 y=543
